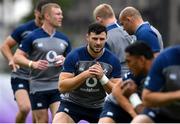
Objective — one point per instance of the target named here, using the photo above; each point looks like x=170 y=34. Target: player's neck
x=48 y=29
x=110 y=21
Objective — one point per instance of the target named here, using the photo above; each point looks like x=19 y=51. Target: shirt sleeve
x=70 y=62
x=26 y=44
x=16 y=34
x=150 y=38
x=116 y=72
x=68 y=49
x=155 y=79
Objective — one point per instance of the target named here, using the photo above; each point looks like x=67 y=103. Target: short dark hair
x=96 y=28
x=140 y=48
x=41 y=3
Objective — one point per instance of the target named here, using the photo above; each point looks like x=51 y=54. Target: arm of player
x=20 y=57
x=111 y=83
x=156 y=99
x=68 y=82
x=129 y=89
x=6 y=47
x=122 y=100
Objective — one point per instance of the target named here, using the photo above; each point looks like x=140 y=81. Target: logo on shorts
x=39 y=104
x=152 y=114
x=66 y=110
x=109 y=114
x=146 y=82
x=20 y=85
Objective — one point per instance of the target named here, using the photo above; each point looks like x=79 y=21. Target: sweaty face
x=56 y=17
x=126 y=25
x=96 y=41
x=134 y=63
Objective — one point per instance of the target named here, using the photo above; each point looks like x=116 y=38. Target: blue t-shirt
x=146 y=34
x=91 y=93
x=164 y=76
x=19 y=34
x=161 y=68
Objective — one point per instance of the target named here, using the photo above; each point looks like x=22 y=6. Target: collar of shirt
x=112 y=26
x=141 y=25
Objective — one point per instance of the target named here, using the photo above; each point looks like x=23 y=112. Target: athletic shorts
x=115 y=112
x=77 y=112
x=43 y=99
x=17 y=83
x=159 y=117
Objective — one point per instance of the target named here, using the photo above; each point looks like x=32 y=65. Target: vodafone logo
x=50 y=56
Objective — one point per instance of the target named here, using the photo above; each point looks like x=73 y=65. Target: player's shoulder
x=109 y=53
x=28 y=24
x=61 y=35
x=79 y=50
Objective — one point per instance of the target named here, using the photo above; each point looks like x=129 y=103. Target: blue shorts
x=159 y=117
x=77 y=112
x=17 y=83
x=115 y=112
x=43 y=99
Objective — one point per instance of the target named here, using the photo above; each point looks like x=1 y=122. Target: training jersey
x=41 y=46
x=151 y=36
x=117 y=40
x=19 y=34
x=91 y=93
x=164 y=76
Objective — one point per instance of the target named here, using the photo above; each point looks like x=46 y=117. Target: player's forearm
x=21 y=59
x=156 y=99
x=122 y=100
x=126 y=105
x=6 y=51
x=69 y=84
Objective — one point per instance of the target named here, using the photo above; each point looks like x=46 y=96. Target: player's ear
x=98 y=19
x=87 y=38
x=142 y=59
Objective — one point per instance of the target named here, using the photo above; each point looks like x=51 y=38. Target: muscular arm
x=68 y=82
x=20 y=57
x=6 y=50
x=122 y=100
x=156 y=99
x=112 y=82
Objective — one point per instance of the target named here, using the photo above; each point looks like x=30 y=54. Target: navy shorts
x=159 y=117
x=77 y=112
x=115 y=112
x=43 y=99
x=17 y=83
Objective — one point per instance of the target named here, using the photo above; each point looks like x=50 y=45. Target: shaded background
x=162 y=14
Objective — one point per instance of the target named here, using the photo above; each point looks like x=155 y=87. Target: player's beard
x=93 y=49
